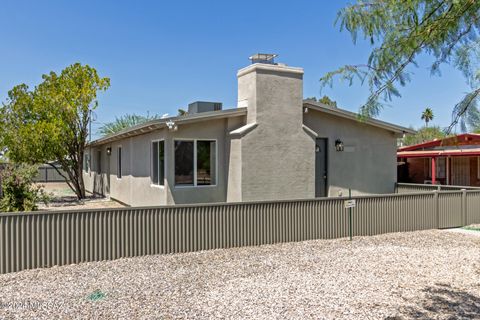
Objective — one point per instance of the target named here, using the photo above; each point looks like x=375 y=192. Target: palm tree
x=427 y=116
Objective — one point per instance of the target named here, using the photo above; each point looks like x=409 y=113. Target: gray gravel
x=429 y=274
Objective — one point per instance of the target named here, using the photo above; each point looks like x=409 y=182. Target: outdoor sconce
x=171 y=125
x=339 y=145
x=109 y=151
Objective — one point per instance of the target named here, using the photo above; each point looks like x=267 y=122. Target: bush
x=19 y=192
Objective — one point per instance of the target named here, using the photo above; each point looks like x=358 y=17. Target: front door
x=321 y=174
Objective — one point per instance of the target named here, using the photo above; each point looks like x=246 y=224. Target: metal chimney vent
x=267 y=58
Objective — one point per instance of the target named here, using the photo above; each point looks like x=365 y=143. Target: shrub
x=19 y=192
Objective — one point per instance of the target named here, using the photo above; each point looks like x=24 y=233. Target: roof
x=162 y=123
x=439 y=153
x=318 y=106
x=465 y=139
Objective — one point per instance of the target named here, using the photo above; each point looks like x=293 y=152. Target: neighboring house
x=449 y=161
x=272 y=146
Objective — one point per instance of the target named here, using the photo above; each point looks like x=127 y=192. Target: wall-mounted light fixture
x=109 y=151
x=171 y=125
x=339 y=145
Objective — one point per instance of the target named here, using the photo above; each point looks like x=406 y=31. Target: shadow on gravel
x=443 y=302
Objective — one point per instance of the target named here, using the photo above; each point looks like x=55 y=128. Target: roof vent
x=266 y=58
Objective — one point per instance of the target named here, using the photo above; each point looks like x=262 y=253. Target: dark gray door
x=321 y=174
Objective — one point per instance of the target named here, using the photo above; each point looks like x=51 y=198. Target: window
x=478 y=168
x=86 y=162
x=119 y=162
x=195 y=162
x=158 y=162
x=440 y=168
x=184 y=163
x=99 y=161
x=206 y=163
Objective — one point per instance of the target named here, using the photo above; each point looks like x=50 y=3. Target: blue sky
x=162 y=55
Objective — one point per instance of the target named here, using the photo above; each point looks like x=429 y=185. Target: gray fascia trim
x=354 y=116
x=243 y=130
x=161 y=123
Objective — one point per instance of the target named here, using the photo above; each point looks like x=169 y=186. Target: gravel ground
x=427 y=274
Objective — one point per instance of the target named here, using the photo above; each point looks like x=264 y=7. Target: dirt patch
x=63 y=198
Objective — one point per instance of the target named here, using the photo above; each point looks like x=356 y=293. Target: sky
x=162 y=55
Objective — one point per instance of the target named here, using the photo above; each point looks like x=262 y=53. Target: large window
x=195 y=162
x=158 y=162
x=206 y=162
x=119 y=162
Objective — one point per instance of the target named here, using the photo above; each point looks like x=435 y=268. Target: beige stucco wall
x=368 y=163
x=135 y=187
x=277 y=156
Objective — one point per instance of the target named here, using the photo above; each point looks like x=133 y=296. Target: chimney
x=271 y=92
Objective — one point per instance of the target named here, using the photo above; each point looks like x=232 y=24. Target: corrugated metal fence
x=43 y=239
x=413 y=187
x=47 y=173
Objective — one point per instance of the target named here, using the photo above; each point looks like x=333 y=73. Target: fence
x=47 y=173
x=43 y=239
x=413 y=187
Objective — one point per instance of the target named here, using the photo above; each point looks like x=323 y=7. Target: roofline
x=438 y=142
x=354 y=116
x=438 y=153
x=161 y=123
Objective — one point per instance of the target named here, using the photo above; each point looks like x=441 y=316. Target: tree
x=124 y=122
x=399 y=32
x=19 y=192
x=427 y=116
x=50 y=123
x=325 y=100
x=423 y=135
x=182 y=112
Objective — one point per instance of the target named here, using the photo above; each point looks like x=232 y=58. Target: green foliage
x=182 y=112
x=50 y=123
x=19 y=193
x=325 y=100
x=427 y=116
x=399 y=32
x=124 y=122
x=423 y=135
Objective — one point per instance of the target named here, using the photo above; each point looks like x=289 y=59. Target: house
x=272 y=146
x=449 y=161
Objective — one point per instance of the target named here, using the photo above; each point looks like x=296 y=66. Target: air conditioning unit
x=204 y=106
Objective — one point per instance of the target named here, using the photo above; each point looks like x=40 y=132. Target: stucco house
x=274 y=145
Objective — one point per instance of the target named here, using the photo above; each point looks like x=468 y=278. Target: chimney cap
x=267 y=58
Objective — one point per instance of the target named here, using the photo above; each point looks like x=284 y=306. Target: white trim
x=175 y=186
x=164 y=163
x=243 y=130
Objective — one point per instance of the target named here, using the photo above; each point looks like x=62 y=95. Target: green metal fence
x=44 y=239
x=414 y=187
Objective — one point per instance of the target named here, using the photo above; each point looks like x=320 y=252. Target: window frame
x=119 y=162
x=195 y=163
x=152 y=184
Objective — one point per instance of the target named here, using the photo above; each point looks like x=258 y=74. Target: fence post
x=464 y=207
x=436 y=206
